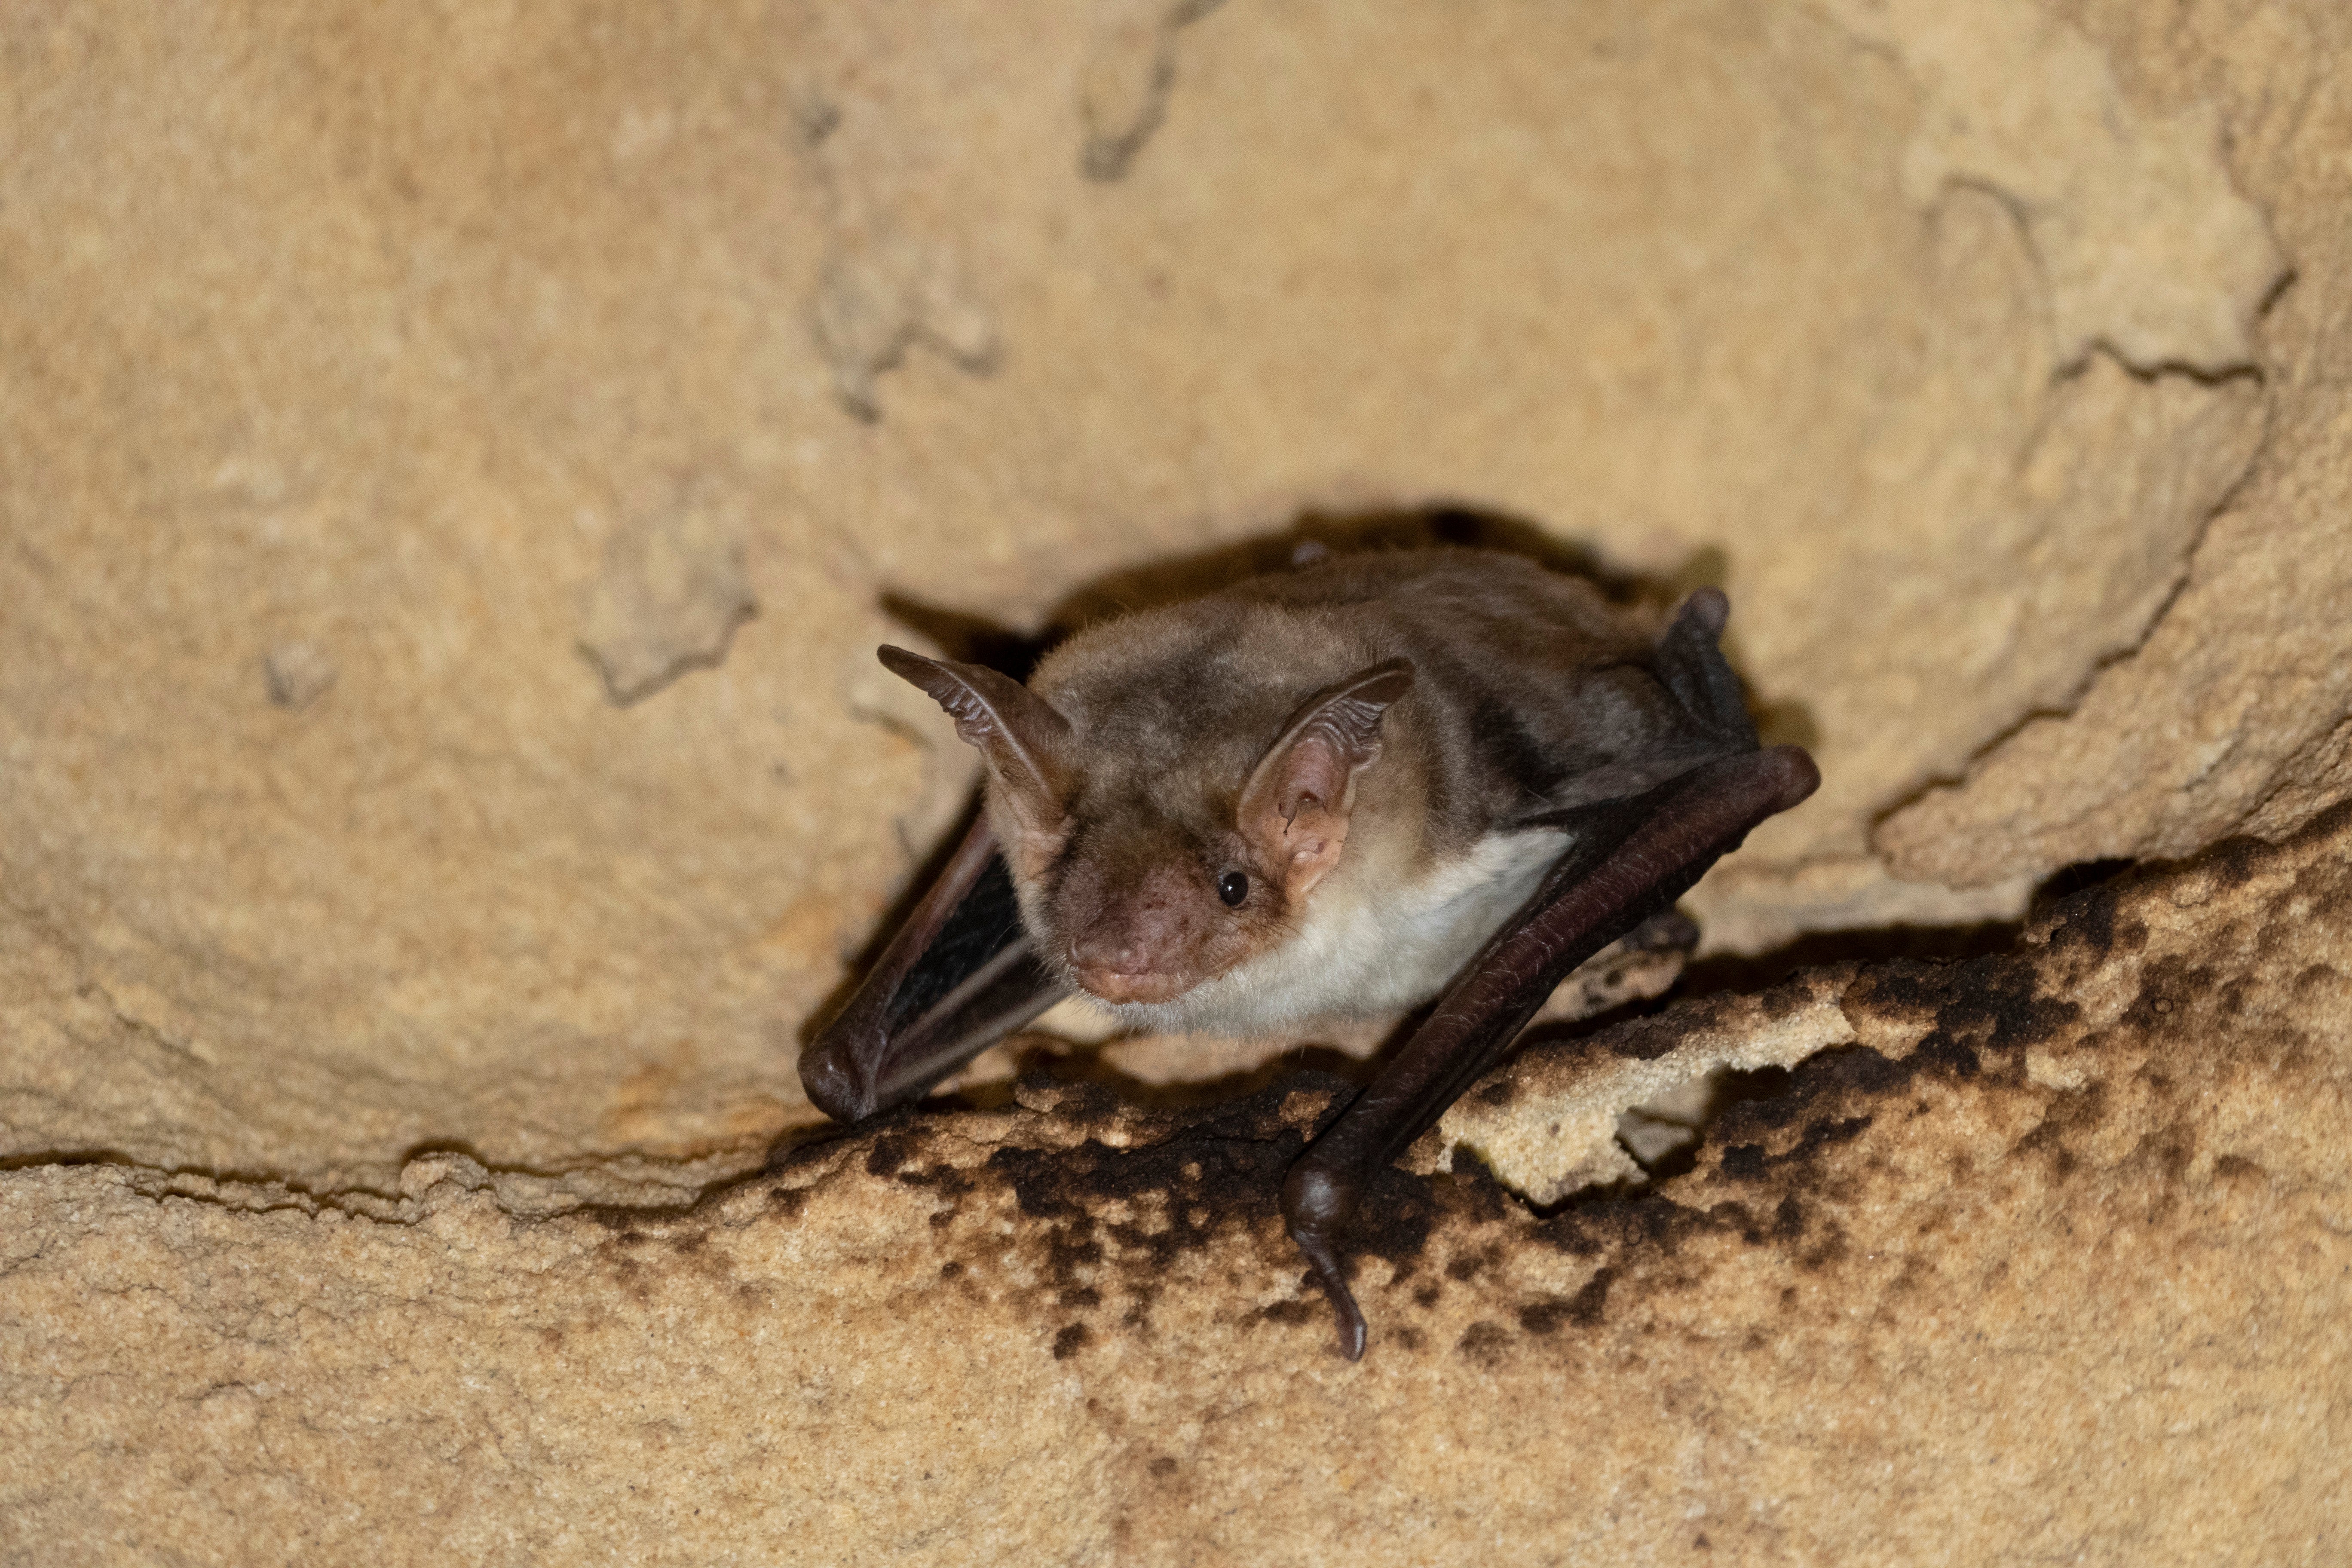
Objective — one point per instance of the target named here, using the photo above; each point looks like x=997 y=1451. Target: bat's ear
x=1295 y=807
x=1025 y=741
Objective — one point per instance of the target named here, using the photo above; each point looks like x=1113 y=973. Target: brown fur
x=1126 y=801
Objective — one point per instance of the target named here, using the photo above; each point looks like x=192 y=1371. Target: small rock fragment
x=668 y=599
x=299 y=674
x=1130 y=66
x=876 y=301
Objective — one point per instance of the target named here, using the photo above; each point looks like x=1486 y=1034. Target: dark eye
x=1233 y=887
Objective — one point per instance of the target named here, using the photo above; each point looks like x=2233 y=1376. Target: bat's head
x=1159 y=837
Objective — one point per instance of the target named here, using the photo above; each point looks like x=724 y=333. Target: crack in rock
x=671 y=592
x=883 y=289
x=1547 y=1124
x=1129 y=69
x=2144 y=244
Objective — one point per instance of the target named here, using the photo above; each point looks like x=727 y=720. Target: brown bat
x=1339 y=791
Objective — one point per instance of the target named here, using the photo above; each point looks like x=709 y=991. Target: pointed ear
x=1024 y=740
x=1295 y=807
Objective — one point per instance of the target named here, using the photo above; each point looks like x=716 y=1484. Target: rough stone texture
x=2237 y=712
x=459 y=461
x=1547 y=1125
x=449 y=348
x=2052 y=1261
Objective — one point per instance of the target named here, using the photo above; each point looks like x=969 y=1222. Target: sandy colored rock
x=2054 y=1260
x=670 y=595
x=1548 y=1124
x=454 y=348
x=2237 y=712
x=2145 y=247
x=460 y=463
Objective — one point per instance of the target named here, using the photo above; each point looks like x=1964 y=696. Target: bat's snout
x=1135 y=928
x=1119 y=970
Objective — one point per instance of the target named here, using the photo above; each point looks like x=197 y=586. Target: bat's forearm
x=1635 y=860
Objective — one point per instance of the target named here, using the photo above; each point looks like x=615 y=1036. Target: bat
x=1339 y=791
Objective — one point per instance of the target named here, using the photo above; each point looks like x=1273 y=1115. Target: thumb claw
x=1352 y=1324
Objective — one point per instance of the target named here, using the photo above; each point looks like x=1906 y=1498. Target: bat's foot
x=1315 y=1204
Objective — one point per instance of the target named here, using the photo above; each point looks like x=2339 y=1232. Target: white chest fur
x=1363 y=951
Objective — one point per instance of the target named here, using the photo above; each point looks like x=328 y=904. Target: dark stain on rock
x=1585 y=1307
x=1754 y=1162
x=1298 y=1309
x=1832 y=1249
x=1985 y=1005
x=1542 y=1317
x=1940 y=1054
x=2238 y=1168
x=1401 y=1211
x=2234 y=861
x=2312 y=978
x=1466 y=1266
x=2231 y=1000
x=1214 y=1170
x=2169 y=988
x=1735 y=1219
x=1110 y=1215
x=2066 y=1117
x=1647 y=1039
x=2323 y=886
x=1819 y=1135
x=629 y=1273
x=804 y=1147
x=2076 y=904
x=943 y=1179
x=1070 y=1341
x=1483 y=1342
x=1643 y=1223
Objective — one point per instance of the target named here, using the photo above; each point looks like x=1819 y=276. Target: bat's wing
x=957 y=977
x=1631 y=858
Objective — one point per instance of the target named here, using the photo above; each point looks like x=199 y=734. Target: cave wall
x=460 y=461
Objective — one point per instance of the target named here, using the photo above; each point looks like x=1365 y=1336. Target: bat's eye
x=1233 y=887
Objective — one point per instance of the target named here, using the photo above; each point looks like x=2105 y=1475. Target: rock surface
x=2052 y=1260
x=460 y=462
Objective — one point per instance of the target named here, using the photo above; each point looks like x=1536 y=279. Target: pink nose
x=1118 y=970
